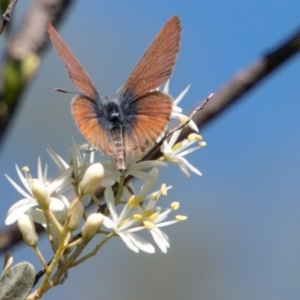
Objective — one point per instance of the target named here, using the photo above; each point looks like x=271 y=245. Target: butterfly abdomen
x=115 y=123
x=117 y=137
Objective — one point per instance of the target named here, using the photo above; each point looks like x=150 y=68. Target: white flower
x=58 y=203
x=140 y=212
x=133 y=168
x=79 y=163
x=175 y=153
x=153 y=217
x=176 y=110
x=124 y=225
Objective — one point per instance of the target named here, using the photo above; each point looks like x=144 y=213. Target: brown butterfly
x=132 y=122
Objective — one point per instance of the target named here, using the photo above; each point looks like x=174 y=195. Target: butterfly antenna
x=64 y=91
x=118 y=90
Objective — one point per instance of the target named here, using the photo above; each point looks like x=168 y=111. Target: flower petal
x=62 y=165
x=18 y=188
x=181 y=95
x=18 y=209
x=141 y=243
x=128 y=242
x=160 y=239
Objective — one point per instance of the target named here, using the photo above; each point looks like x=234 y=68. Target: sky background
x=242 y=237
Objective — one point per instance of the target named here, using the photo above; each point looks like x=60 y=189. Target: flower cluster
x=59 y=203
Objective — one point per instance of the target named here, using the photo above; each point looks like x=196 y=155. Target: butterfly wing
x=90 y=119
x=146 y=118
x=156 y=65
x=87 y=109
x=147 y=113
x=77 y=74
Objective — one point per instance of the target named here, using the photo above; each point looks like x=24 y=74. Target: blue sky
x=242 y=238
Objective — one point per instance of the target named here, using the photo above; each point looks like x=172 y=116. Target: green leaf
x=16 y=283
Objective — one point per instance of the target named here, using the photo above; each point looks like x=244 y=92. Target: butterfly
x=131 y=122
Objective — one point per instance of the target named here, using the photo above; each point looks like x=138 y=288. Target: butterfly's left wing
x=78 y=75
x=144 y=120
x=90 y=119
x=87 y=109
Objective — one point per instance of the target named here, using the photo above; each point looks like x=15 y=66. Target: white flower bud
x=91 y=178
x=27 y=229
x=76 y=216
x=40 y=193
x=92 y=224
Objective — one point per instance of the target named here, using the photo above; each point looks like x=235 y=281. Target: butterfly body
x=132 y=122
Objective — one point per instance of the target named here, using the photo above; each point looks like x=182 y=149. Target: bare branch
x=22 y=58
x=7 y=14
x=247 y=79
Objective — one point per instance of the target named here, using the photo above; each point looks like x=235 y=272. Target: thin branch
x=7 y=14
x=246 y=80
x=22 y=57
x=233 y=91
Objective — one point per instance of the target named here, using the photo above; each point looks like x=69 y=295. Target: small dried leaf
x=8 y=260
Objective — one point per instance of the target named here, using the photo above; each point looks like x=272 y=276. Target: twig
x=7 y=14
x=41 y=273
x=246 y=80
x=196 y=110
x=22 y=57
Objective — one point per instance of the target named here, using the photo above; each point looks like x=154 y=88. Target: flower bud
x=76 y=216
x=91 y=178
x=92 y=224
x=27 y=229
x=40 y=193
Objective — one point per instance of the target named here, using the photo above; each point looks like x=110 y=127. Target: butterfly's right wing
x=156 y=65
x=147 y=112
x=145 y=119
